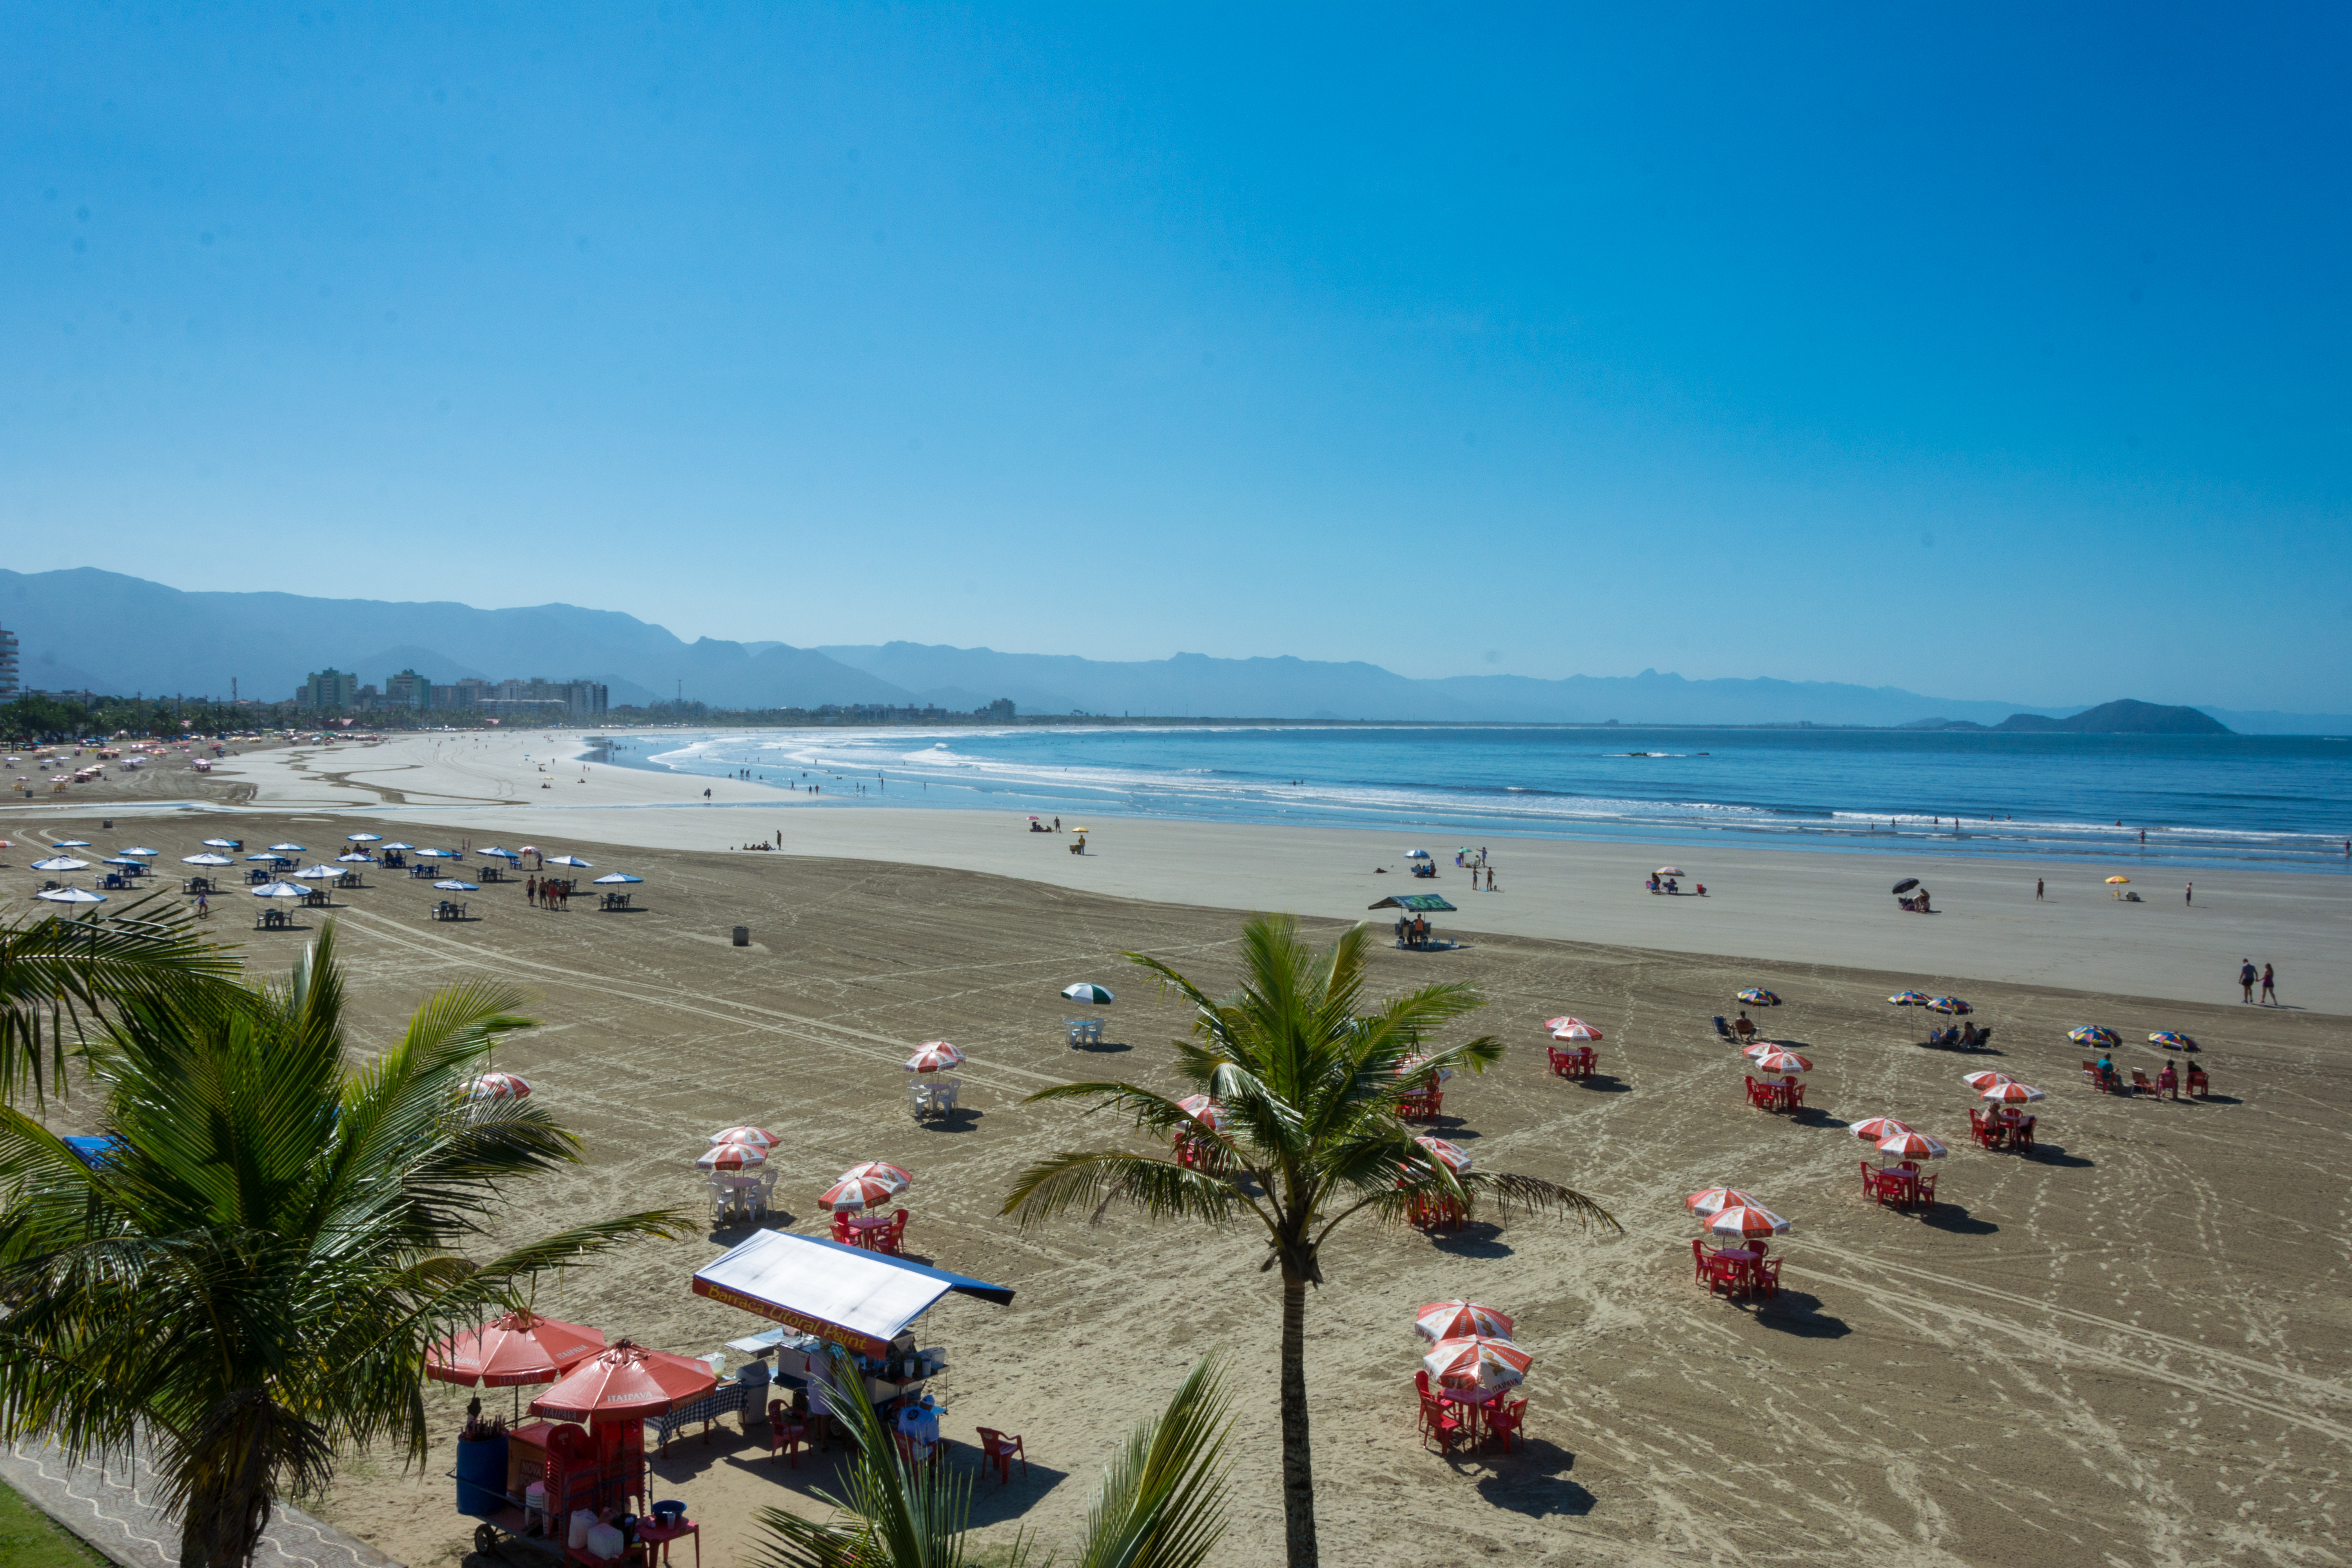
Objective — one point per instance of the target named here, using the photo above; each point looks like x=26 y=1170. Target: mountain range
x=106 y=632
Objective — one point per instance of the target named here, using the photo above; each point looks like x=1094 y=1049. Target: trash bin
x=482 y=1476
x=743 y=936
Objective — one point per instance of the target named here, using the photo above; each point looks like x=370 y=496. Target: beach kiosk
x=1412 y=920
x=823 y=1292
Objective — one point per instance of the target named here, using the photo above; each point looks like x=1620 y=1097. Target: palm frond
x=1161 y=1188
x=1162 y=1503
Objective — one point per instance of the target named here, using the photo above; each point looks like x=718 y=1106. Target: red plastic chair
x=2198 y=1083
x=1505 y=1421
x=841 y=1231
x=786 y=1434
x=1768 y=1277
x=1001 y=1449
x=889 y=1238
x=1698 y=1261
x=1559 y=1061
x=1437 y=1422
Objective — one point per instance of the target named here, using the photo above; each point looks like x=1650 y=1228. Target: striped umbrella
x=1088 y=991
x=1876 y=1127
x=60 y=863
x=498 y=1085
x=2008 y=1093
x=1711 y=1201
x=1443 y=1320
x=1909 y=998
x=1203 y=1109
x=1576 y=1031
x=897 y=1179
x=1476 y=1362
x=1781 y=1061
x=758 y=1136
x=2174 y=1039
x=2094 y=1035
x=1554 y=1025
x=733 y=1157
x=1452 y=1156
x=1757 y=996
x=935 y=1056
x=1980 y=1081
x=1417 y=1066
x=1910 y=1145
x=1749 y=1221
x=1951 y=1004
x=853 y=1193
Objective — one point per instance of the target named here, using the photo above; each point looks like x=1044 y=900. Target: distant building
x=328 y=687
x=7 y=663
x=407 y=690
x=999 y=709
x=537 y=697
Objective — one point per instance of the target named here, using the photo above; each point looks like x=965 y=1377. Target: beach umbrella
x=70 y=894
x=1757 y=996
x=60 y=863
x=2118 y=881
x=137 y=850
x=1746 y=1222
x=356 y=858
x=1417 y=1066
x=1670 y=872
x=1443 y=1320
x=1910 y=1145
x=853 y=1193
x=1576 y=1031
x=1086 y=990
x=375 y=839
x=625 y=1383
x=1476 y=1361
x=318 y=873
x=1565 y=1021
x=530 y=849
x=438 y=854
x=271 y=860
x=1909 y=998
x=1906 y=885
x=1980 y=1081
x=206 y=860
x=124 y=860
x=281 y=890
x=1709 y=1201
x=897 y=1178
x=1871 y=1130
x=452 y=885
x=502 y=853
x=758 y=1136
x=935 y=1056
x=518 y=1349
x=2011 y=1093
x=1761 y=1047
x=731 y=1157
x=399 y=845
x=1783 y=1061
x=615 y=878
x=2094 y=1035
x=1204 y=1111
x=498 y=1085
x=570 y=860
x=223 y=844
x=2172 y=1037
x=290 y=849
x=1416 y=855
x=73 y=843
x=1951 y=1004
x=1452 y=1156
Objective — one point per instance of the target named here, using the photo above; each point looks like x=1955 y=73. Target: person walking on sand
x=2270 y=986
x=2246 y=979
x=2037 y=890
x=2191 y=895
x=531 y=889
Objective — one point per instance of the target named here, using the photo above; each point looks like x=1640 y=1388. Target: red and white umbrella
x=518 y=1349
x=1443 y=1320
x=1980 y=1081
x=935 y=1056
x=1907 y=1145
x=1554 y=1025
x=1572 y=1030
x=733 y=1157
x=1761 y=1047
x=758 y=1136
x=1203 y=1109
x=2006 y=1092
x=1776 y=1060
x=853 y=1193
x=874 y=1170
x=498 y=1085
x=625 y=1383
x=1452 y=1156
x=1712 y=1201
x=1871 y=1130
x=1476 y=1362
x=1417 y=1066
x=1749 y=1221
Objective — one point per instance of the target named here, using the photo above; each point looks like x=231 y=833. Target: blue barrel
x=482 y=1477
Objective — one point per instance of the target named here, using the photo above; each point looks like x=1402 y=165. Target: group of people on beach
x=549 y=892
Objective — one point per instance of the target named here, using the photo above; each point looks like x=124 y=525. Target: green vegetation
x=1307 y=1077
x=30 y=1538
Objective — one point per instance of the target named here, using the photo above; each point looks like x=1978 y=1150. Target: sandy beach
x=2133 y=1347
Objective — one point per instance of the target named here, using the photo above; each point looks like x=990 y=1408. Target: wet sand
x=2135 y=1347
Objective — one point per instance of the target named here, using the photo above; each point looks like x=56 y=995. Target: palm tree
x=247 y=1283
x=61 y=977
x=1161 y=1503
x=1307 y=1076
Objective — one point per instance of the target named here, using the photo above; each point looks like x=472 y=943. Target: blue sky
x=1989 y=352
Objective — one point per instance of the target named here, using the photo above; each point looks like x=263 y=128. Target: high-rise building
x=7 y=663
x=328 y=687
x=407 y=690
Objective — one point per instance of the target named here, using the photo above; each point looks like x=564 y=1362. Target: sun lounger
x=1721 y=1028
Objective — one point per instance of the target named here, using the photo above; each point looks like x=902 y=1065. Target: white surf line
x=780 y=1022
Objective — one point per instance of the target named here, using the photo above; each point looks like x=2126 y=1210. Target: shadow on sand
x=1602 y=1083
x=1954 y=1220
x=1531 y=1479
x=1479 y=1239
x=1796 y=1314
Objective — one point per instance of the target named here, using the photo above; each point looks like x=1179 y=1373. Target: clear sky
x=1988 y=351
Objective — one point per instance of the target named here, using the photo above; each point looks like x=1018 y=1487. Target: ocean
x=2270 y=802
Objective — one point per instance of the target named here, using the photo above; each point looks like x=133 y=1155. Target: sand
x=2136 y=1347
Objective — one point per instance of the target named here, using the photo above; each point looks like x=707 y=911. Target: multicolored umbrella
x=851 y=1193
x=1908 y=1145
x=1951 y=1004
x=1749 y=1221
x=1909 y=998
x=1781 y=1061
x=1452 y=1156
x=1203 y=1109
x=1554 y=1025
x=1443 y=1320
x=1757 y=996
x=1711 y=1201
x=626 y=1382
x=1575 y=1031
x=733 y=1157
x=2008 y=1093
x=2118 y=881
x=498 y=1085
x=519 y=1349
x=1872 y=1129
x=1476 y=1362
x=935 y=1056
x=893 y=1176
x=2094 y=1035
x=758 y=1136
x=2173 y=1039
x=1980 y=1081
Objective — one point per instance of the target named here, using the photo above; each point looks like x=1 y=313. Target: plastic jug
x=604 y=1541
x=582 y=1521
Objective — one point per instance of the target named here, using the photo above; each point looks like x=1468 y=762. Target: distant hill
x=2126 y=717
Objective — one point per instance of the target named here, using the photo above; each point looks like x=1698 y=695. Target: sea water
x=2283 y=802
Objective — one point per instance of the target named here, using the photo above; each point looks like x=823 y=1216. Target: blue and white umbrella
x=124 y=860
x=73 y=843
x=399 y=845
x=615 y=878
x=362 y=839
x=60 y=863
x=453 y=886
x=223 y=844
x=502 y=853
x=273 y=860
x=71 y=895
x=141 y=850
x=318 y=873
x=438 y=854
x=570 y=860
x=289 y=848
x=281 y=890
x=206 y=860
x=356 y=858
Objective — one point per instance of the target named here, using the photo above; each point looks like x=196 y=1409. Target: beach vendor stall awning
x=843 y=1294
x=1418 y=903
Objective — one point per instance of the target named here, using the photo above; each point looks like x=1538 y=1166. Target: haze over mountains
x=103 y=631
